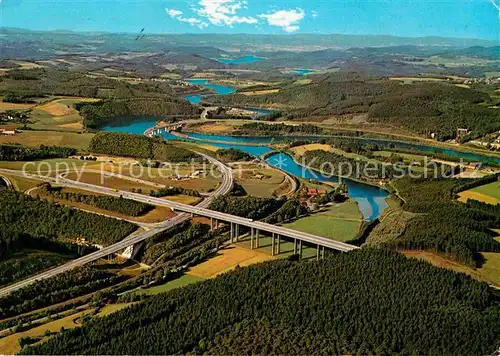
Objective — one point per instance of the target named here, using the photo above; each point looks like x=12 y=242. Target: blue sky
x=458 y=18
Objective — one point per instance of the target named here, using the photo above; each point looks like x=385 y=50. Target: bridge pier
x=257 y=243
x=322 y=252
x=272 y=245
x=317 y=253
x=295 y=246
x=278 y=246
x=300 y=249
x=232 y=232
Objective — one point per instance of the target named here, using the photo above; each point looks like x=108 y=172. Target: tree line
x=169 y=191
x=138 y=146
x=119 y=205
x=21 y=153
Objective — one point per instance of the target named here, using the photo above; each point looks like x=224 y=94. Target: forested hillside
x=458 y=230
x=98 y=114
x=421 y=107
x=366 y=301
x=138 y=146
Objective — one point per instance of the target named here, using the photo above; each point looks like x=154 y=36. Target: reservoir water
x=240 y=60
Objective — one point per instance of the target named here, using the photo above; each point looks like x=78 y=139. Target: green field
x=492 y=190
x=340 y=222
x=176 y=283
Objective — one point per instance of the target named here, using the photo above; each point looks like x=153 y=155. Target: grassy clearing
x=176 y=283
x=108 y=181
x=111 y=308
x=489 y=272
x=227 y=260
x=339 y=222
x=49 y=138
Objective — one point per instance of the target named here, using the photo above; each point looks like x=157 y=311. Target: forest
x=138 y=146
x=249 y=206
x=65 y=286
x=369 y=301
x=21 y=153
x=119 y=205
x=24 y=218
x=458 y=230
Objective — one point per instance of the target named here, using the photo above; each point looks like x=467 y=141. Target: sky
x=412 y=18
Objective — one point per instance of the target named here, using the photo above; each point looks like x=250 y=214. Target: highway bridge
x=187 y=211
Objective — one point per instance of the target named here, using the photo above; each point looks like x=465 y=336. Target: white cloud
x=314 y=14
x=193 y=21
x=173 y=12
x=288 y=20
x=224 y=12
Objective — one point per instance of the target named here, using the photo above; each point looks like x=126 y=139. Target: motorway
x=224 y=187
x=200 y=209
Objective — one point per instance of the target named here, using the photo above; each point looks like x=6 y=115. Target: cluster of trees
x=62 y=287
x=120 y=205
x=138 y=146
x=21 y=153
x=100 y=113
x=233 y=155
x=460 y=231
x=168 y=191
x=23 y=217
x=292 y=209
x=249 y=206
x=278 y=129
x=18 y=99
x=368 y=301
x=25 y=264
x=166 y=246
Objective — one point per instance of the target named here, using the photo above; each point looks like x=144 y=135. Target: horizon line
x=86 y=32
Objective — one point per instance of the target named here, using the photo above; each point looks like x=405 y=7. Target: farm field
x=5 y=106
x=59 y=114
x=300 y=150
x=49 y=138
x=339 y=222
x=227 y=260
x=42 y=166
x=260 y=92
x=488 y=193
